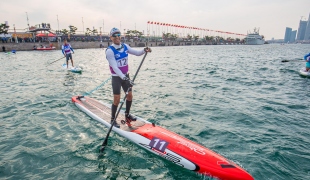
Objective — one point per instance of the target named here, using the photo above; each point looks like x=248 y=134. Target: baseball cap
x=114 y=30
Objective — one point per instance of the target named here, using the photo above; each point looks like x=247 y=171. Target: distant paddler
x=307 y=59
x=66 y=51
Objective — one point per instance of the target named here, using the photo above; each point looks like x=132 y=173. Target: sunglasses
x=116 y=35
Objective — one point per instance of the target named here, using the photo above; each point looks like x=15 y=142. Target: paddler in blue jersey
x=66 y=51
x=307 y=58
x=117 y=56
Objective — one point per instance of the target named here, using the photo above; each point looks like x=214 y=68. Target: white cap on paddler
x=114 y=31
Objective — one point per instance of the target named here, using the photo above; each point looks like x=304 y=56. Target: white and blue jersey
x=66 y=49
x=121 y=59
x=117 y=56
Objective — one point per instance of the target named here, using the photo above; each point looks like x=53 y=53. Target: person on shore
x=117 y=56
x=3 y=49
x=307 y=59
x=66 y=51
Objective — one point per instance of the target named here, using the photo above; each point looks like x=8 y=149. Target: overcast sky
x=237 y=16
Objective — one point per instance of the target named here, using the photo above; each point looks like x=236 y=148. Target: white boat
x=253 y=38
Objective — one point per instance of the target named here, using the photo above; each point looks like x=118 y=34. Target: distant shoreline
x=93 y=44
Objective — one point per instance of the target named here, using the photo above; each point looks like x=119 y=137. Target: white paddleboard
x=72 y=69
x=303 y=72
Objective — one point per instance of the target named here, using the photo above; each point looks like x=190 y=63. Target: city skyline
x=239 y=16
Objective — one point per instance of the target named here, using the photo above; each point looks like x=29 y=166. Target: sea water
x=240 y=101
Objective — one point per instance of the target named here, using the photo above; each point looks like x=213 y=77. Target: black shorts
x=117 y=83
x=68 y=56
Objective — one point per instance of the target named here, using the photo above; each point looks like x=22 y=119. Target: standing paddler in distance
x=307 y=59
x=117 y=56
x=66 y=51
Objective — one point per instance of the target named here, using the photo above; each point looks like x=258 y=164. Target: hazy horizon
x=240 y=16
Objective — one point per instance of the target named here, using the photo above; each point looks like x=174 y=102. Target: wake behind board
x=72 y=69
x=165 y=143
x=303 y=72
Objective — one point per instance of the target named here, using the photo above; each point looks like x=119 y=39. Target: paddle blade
x=291 y=60
x=101 y=149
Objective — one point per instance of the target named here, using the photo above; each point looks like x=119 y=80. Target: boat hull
x=254 y=42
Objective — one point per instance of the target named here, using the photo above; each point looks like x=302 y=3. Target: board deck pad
x=104 y=112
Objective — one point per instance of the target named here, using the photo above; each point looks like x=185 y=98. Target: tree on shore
x=94 y=32
x=4 y=29
x=208 y=38
x=166 y=36
x=173 y=37
x=169 y=36
x=64 y=32
x=72 y=29
x=88 y=32
x=230 y=39
x=196 y=38
x=130 y=34
x=189 y=37
x=219 y=39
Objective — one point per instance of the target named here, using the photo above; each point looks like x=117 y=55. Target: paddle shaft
x=98 y=87
x=105 y=142
x=56 y=60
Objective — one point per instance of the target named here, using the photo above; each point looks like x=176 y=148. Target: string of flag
x=190 y=28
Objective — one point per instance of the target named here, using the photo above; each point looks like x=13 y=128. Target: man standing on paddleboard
x=117 y=56
x=66 y=51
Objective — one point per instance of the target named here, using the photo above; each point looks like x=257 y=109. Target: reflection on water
x=69 y=79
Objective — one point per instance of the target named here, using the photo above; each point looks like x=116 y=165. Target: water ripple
x=239 y=101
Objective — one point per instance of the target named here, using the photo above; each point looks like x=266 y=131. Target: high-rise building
x=307 y=33
x=293 y=36
x=287 y=37
x=301 y=30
